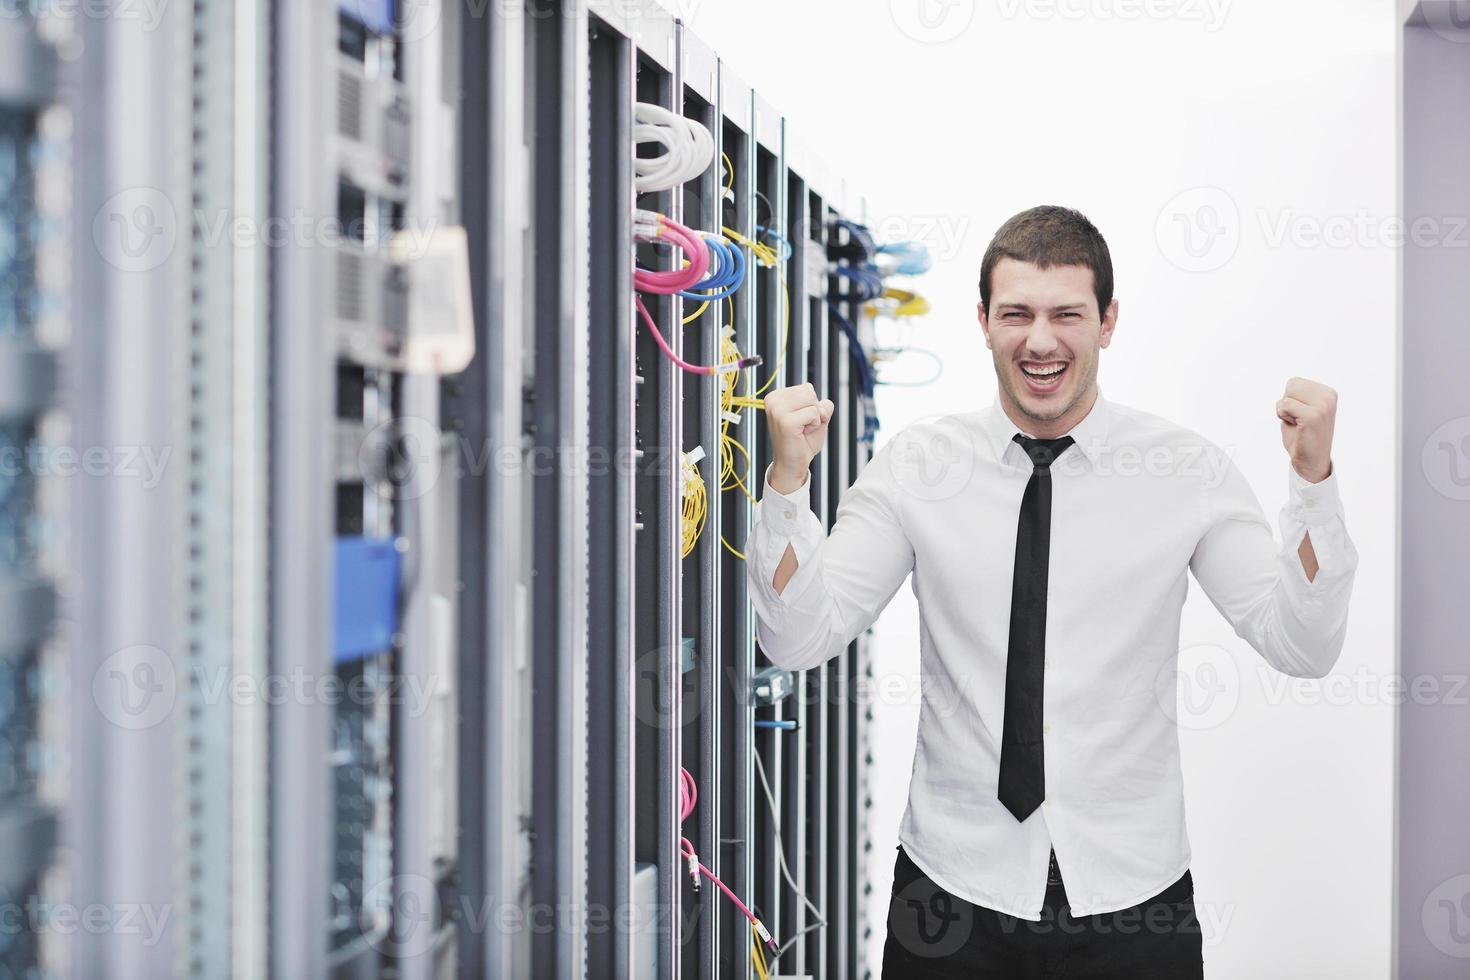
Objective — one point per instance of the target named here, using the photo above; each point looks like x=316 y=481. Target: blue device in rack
x=378 y=16
x=365 y=613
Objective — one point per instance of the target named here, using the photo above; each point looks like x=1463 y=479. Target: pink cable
x=675 y=280
x=688 y=796
x=672 y=281
x=658 y=338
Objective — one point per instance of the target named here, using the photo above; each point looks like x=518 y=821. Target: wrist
x=785 y=480
x=1313 y=473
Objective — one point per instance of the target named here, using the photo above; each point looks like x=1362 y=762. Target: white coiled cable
x=689 y=148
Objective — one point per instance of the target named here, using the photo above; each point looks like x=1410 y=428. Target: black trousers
x=933 y=934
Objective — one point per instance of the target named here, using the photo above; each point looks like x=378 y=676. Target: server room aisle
x=383 y=425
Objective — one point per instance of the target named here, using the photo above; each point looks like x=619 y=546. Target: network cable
x=689 y=148
x=910 y=258
x=862 y=361
x=897 y=302
x=694 y=504
x=821 y=920
x=688 y=796
x=650 y=226
x=786 y=250
x=725 y=275
x=859 y=248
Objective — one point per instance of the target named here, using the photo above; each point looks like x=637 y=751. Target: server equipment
x=414 y=639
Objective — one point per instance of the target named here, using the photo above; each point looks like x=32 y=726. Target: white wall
x=1285 y=112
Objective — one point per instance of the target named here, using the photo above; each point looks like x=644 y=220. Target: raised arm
x=1288 y=601
x=813 y=591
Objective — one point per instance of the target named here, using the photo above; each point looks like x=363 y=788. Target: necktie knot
x=1043 y=452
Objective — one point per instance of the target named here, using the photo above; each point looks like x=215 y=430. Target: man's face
x=1044 y=332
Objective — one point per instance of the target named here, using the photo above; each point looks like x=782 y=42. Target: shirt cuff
x=1314 y=504
x=783 y=512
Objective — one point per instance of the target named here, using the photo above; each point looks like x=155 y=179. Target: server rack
x=735 y=799
x=486 y=565
x=612 y=871
x=485 y=407
x=33 y=159
x=704 y=727
x=658 y=439
x=672 y=643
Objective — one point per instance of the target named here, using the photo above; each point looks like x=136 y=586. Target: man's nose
x=1041 y=339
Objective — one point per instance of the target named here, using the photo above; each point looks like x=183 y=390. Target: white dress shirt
x=1136 y=503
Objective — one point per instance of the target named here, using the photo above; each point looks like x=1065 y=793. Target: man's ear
x=984 y=322
x=1110 y=320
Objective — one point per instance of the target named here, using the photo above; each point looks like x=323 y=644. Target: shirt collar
x=1090 y=434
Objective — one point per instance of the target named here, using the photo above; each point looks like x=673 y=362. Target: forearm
x=1305 y=552
x=785 y=570
x=786 y=483
x=814 y=591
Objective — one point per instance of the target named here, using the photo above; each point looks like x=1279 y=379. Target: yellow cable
x=758 y=956
x=694 y=504
x=771 y=259
x=905 y=303
x=695 y=315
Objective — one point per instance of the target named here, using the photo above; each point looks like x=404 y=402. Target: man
x=1049 y=537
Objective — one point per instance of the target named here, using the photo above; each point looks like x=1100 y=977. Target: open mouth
x=1044 y=376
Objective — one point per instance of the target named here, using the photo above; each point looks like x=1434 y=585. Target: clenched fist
x=797 y=421
x=1307 y=412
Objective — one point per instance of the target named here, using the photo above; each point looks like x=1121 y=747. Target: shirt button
x=788 y=514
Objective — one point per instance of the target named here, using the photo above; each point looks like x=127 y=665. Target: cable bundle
x=866 y=283
x=898 y=302
x=693 y=501
x=904 y=258
x=649 y=226
x=864 y=265
x=859 y=248
x=726 y=271
x=867 y=377
x=786 y=249
x=688 y=148
x=688 y=796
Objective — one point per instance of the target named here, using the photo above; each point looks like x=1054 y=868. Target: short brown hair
x=1047 y=236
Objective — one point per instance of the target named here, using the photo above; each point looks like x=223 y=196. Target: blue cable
x=726 y=271
x=913 y=258
x=860 y=249
x=789 y=726
x=786 y=250
x=867 y=377
x=867 y=283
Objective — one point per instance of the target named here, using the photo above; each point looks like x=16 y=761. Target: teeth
x=1044 y=372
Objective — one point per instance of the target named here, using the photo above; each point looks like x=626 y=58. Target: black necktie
x=1022 y=784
